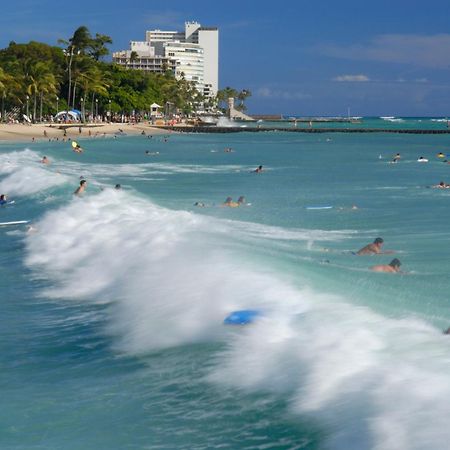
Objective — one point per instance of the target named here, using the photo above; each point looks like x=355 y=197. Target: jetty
x=254 y=129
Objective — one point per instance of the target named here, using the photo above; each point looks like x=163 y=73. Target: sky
x=377 y=58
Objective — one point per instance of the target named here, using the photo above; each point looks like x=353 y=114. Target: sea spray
x=372 y=382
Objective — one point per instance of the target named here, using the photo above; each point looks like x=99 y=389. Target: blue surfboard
x=242 y=317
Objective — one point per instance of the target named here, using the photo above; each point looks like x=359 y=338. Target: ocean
x=112 y=303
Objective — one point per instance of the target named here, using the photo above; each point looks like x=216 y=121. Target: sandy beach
x=26 y=132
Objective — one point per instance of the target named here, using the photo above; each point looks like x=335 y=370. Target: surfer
x=396 y=157
x=3 y=199
x=441 y=185
x=76 y=147
x=259 y=169
x=422 y=159
x=230 y=203
x=373 y=249
x=45 y=160
x=81 y=188
x=392 y=267
x=241 y=201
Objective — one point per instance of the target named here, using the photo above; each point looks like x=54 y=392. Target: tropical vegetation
x=38 y=80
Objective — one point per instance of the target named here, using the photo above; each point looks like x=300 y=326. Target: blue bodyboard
x=242 y=317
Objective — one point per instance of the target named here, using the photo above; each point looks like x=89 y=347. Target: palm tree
x=39 y=79
x=133 y=56
x=5 y=82
x=92 y=80
x=224 y=94
x=242 y=96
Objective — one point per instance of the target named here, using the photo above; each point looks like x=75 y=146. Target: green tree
x=242 y=96
x=97 y=46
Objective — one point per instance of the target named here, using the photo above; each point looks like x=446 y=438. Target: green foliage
x=47 y=73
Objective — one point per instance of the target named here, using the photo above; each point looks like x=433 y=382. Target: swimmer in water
x=45 y=160
x=373 y=249
x=441 y=185
x=392 y=267
x=3 y=199
x=81 y=188
x=230 y=203
x=422 y=159
x=259 y=169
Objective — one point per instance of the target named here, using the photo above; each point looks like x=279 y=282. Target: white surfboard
x=319 y=207
x=17 y=222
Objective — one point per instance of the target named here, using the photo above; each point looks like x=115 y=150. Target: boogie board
x=242 y=317
x=318 y=207
x=17 y=222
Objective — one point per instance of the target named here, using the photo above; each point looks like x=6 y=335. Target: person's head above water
x=82 y=182
x=228 y=200
x=117 y=186
x=395 y=263
x=378 y=240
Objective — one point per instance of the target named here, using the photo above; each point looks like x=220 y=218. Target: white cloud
x=418 y=50
x=352 y=78
x=268 y=93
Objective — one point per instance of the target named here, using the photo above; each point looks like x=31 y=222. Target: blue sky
x=297 y=57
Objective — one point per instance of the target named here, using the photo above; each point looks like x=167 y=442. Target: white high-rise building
x=193 y=53
x=189 y=62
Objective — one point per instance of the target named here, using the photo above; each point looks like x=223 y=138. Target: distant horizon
x=306 y=58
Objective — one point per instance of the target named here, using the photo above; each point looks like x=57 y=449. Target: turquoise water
x=111 y=306
x=361 y=123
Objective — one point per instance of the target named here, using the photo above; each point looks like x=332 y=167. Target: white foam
x=25 y=175
x=170 y=279
x=164 y=271
x=374 y=382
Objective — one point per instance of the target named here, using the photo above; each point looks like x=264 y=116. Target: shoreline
x=35 y=132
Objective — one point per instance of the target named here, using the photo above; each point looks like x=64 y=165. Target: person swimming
x=3 y=199
x=45 y=160
x=259 y=169
x=230 y=203
x=81 y=188
x=372 y=249
x=241 y=200
x=441 y=185
x=422 y=159
x=392 y=267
